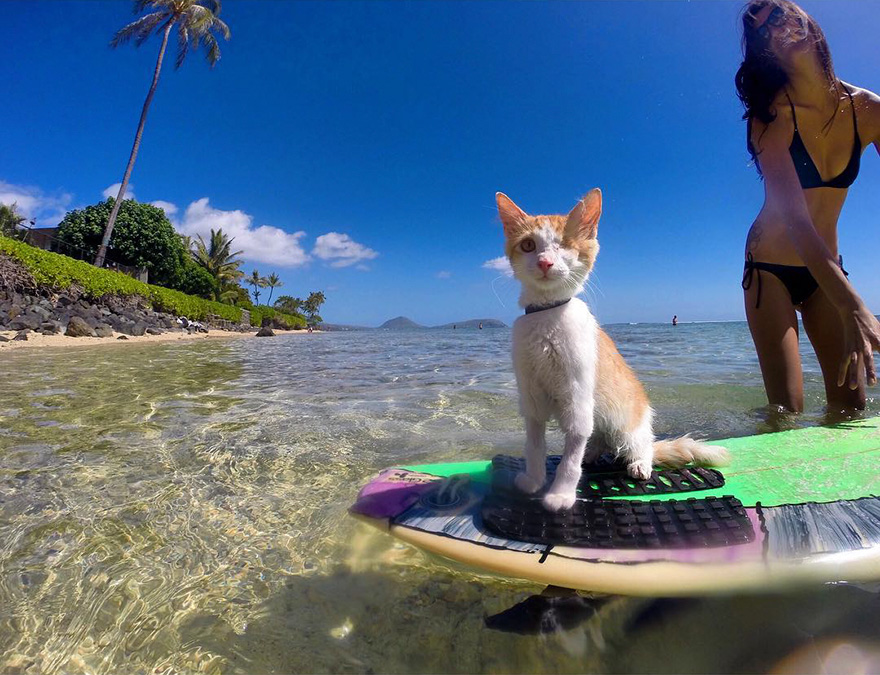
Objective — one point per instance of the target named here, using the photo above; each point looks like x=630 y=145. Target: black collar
x=531 y=309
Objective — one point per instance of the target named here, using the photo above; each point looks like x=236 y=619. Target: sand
x=58 y=340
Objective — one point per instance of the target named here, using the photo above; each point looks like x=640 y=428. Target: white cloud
x=32 y=202
x=113 y=191
x=444 y=274
x=341 y=250
x=500 y=264
x=264 y=244
x=169 y=208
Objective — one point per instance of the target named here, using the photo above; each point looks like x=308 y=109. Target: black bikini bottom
x=797 y=279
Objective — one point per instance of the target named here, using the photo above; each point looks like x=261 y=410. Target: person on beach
x=806 y=130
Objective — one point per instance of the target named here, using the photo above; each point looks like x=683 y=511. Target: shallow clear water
x=182 y=508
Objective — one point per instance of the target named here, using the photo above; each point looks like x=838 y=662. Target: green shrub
x=260 y=312
x=195 y=280
x=59 y=273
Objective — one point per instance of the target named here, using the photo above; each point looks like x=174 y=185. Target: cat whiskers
x=592 y=290
x=497 y=297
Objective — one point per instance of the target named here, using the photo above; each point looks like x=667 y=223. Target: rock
x=103 y=330
x=265 y=331
x=51 y=327
x=122 y=337
x=77 y=327
x=21 y=335
x=139 y=328
x=42 y=312
x=31 y=321
x=3 y=338
x=154 y=331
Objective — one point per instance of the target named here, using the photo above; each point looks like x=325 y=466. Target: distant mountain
x=400 y=322
x=475 y=323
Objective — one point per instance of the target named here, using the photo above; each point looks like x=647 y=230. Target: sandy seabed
x=58 y=340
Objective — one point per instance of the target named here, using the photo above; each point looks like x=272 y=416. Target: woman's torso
x=831 y=148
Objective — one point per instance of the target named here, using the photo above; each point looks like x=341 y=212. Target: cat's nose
x=544 y=264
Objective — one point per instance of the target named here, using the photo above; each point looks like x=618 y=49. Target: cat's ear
x=583 y=220
x=512 y=217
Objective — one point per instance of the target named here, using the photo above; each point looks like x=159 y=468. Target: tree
x=257 y=282
x=11 y=220
x=196 y=280
x=216 y=257
x=288 y=304
x=273 y=282
x=196 y=21
x=144 y=238
x=311 y=306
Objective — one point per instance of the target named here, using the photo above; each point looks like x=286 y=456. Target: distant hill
x=475 y=323
x=400 y=322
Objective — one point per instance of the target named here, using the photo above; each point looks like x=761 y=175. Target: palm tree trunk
x=108 y=230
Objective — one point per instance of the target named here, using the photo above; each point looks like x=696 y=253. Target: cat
x=568 y=368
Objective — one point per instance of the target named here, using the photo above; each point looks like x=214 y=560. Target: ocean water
x=181 y=507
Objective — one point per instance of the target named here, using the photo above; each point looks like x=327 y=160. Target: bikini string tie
x=749 y=270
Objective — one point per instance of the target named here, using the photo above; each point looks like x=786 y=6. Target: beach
x=35 y=340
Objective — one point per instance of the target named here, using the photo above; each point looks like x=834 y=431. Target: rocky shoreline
x=26 y=309
x=75 y=316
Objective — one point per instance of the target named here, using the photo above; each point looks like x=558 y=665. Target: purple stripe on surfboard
x=391 y=493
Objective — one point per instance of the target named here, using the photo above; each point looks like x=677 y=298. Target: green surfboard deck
x=814 y=464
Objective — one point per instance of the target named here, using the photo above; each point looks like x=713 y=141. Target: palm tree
x=312 y=306
x=215 y=256
x=196 y=22
x=273 y=282
x=257 y=282
x=11 y=220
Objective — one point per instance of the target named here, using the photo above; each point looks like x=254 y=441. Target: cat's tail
x=676 y=452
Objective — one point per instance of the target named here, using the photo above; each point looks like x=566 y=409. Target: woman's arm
x=785 y=203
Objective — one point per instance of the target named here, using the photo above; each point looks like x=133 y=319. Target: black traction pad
x=608 y=478
x=607 y=523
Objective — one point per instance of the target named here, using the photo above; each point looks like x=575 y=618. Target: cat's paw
x=640 y=470
x=525 y=483
x=556 y=501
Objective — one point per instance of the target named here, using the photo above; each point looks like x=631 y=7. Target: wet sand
x=58 y=340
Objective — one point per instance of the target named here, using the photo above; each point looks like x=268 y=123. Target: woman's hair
x=760 y=77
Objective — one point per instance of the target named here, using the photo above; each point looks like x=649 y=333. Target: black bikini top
x=806 y=169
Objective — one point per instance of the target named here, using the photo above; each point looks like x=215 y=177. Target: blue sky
x=356 y=147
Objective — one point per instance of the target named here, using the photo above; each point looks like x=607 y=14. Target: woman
x=806 y=133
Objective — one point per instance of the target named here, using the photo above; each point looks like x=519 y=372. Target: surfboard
x=796 y=507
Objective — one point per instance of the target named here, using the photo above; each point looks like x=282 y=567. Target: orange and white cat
x=566 y=366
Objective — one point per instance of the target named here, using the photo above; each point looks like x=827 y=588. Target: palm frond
x=138 y=30
x=212 y=5
x=182 y=43
x=212 y=55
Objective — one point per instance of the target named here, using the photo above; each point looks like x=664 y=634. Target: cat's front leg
x=563 y=493
x=532 y=479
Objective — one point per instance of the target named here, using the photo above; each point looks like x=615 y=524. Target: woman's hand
x=861 y=338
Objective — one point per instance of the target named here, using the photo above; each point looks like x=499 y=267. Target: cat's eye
x=527 y=245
